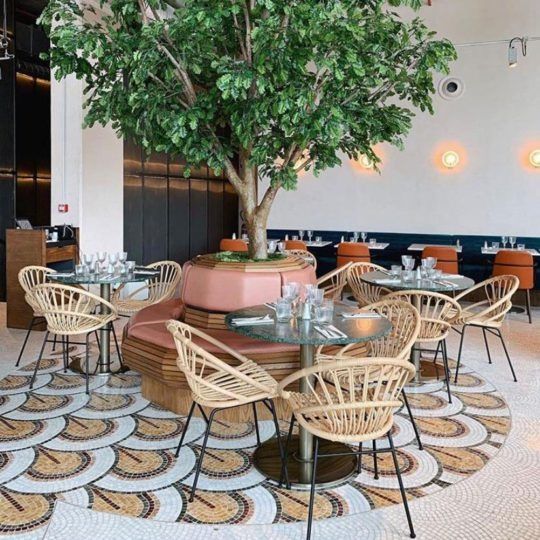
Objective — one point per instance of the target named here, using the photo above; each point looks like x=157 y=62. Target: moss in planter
x=232 y=256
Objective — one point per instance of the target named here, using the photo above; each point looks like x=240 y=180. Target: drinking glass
x=301 y=234
x=272 y=245
x=494 y=245
x=295 y=237
x=101 y=256
x=408 y=275
x=395 y=270
x=310 y=234
x=324 y=313
x=245 y=236
x=130 y=266
x=318 y=239
x=288 y=292
x=80 y=270
x=283 y=310
x=364 y=237
x=372 y=241
x=281 y=246
x=88 y=259
x=316 y=296
x=521 y=247
x=122 y=256
x=408 y=262
x=512 y=241
x=355 y=237
x=503 y=241
x=436 y=273
x=113 y=258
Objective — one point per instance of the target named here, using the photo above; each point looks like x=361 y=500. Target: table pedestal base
x=330 y=470
x=78 y=365
x=427 y=371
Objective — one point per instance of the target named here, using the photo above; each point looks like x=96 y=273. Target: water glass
x=318 y=239
x=324 y=313
x=301 y=234
x=512 y=241
x=295 y=237
x=130 y=266
x=521 y=247
x=372 y=241
x=272 y=246
x=101 y=256
x=281 y=246
x=495 y=245
x=363 y=236
x=310 y=234
x=408 y=275
x=283 y=310
x=395 y=270
x=80 y=270
x=88 y=259
x=435 y=273
x=122 y=256
x=287 y=292
x=113 y=258
x=245 y=236
x=317 y=297
x=503 y=241
x=355 y=237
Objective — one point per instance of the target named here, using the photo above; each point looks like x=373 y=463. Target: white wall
x=493 y=127
x=87 y=172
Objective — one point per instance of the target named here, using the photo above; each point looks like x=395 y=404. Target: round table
x=446 y=284
x=303 y=333
x=104 y=280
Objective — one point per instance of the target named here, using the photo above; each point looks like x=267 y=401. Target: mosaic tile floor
x=113 y=452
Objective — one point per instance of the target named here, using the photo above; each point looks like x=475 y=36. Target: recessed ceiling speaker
x=451 y=88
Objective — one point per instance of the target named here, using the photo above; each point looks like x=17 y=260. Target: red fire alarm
x=63 y=208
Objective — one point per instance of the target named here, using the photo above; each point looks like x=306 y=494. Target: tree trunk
x=256 y=230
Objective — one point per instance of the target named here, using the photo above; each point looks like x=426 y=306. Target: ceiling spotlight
x=513 y=50
x=450 y=159
x=534 y=158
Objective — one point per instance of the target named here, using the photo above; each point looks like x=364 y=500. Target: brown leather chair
x=230 y=244
x=295 y=244
x=519 y=264
x=447 y=258
x=352 y=252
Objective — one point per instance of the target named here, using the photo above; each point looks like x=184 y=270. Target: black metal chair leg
x=359 y=459
x=528 y=303
x=446 y=370
x=507 y=355
x=284 y=475
x=401 y=488
x=375 y=464
x=186 y=426
x=120 y=359
x=87 y=362
x=30 y=326
x=413 y=421
x=64 y=354
x=54 y=343
x=203 y=413
x=201 y=457
x=435 y=359
x=312 y=490
x=32 y=380
x=256 y=420
x=459 y=352
x=487 y=345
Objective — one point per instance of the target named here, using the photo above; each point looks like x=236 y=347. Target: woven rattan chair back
x=350 y=400
x=66 y=309
x=437 y=312
x=364 y=293
x=304 y=254
x=214 y=382
x=334 y=282
x=29 y=278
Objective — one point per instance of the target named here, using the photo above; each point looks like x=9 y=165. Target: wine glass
x=88 y=259
x=363 y=235
x=101 y=256
x=355 y=237
x=503 y=241
x=122 y=256
x=301 y=234
x=113 y=258
x=512 y=241
x=310 y=235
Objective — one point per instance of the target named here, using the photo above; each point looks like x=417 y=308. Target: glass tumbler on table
x=283 y=310
x=324 y=313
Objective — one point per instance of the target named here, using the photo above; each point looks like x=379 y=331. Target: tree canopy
x=252 y=87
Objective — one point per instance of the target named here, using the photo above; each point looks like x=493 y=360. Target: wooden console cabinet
x=25 y=248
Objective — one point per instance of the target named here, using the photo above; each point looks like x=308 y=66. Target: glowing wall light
x=534 y=158
x=450 y=159
x=366 y=162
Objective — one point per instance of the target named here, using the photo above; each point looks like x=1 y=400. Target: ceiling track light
x=513 y=50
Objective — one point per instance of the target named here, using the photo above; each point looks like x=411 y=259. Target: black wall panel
x=167 y=216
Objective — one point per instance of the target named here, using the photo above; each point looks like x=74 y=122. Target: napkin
x=62 y=274
x=146 y=272
x=249 y=321
x=387 y=281
x=361 y=315
x=450 y=276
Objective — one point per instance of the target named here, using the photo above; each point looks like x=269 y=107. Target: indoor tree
x=254 y=88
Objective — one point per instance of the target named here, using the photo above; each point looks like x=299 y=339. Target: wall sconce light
x=513 y=50
x=450 y=159
x=534 y=158
x=366 y=162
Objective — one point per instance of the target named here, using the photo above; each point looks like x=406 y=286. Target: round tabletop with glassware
x=117 y=272
x=311 y=327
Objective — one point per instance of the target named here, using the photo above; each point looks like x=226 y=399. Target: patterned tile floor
x=112 y=453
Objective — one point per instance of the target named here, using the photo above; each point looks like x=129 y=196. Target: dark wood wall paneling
x=167 y=216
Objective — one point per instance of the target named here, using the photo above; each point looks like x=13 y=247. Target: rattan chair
x=157 y=289
x=304 y=254
x=349 y=401
x=487 y=314
x=437 y=312
x=66 y=310
x=218 y=385
x=334 y=282
x=365 y=293
x=29 y=277
x=406 y=323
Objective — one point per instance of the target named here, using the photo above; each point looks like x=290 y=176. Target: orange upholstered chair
x=447 y=258
x=295 y=244
x=352 y=252
x=230 y=244
x=519 y=264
